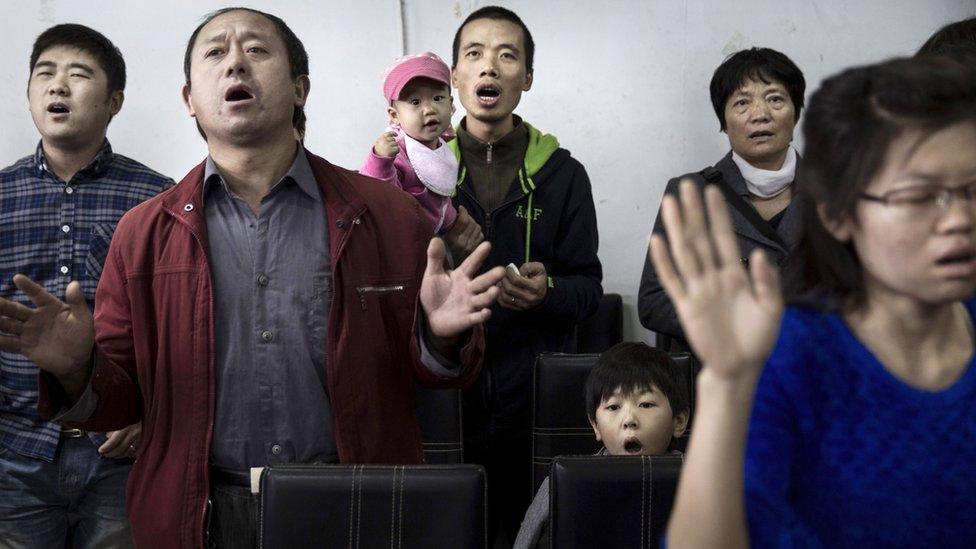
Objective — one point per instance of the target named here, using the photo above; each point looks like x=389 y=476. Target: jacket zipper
x=205 y=511
x=363 y=290
x=488 y=153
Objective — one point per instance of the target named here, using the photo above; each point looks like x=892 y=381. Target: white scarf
x=767 y=183
x=436 y=168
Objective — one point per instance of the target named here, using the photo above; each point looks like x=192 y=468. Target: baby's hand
x=386 y=145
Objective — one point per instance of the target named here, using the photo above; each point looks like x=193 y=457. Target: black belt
x=231 y=477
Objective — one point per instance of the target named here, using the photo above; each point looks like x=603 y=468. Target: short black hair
x=88 y=40
x=762 y=65
x=952 y=36
x=630 y=366
x=297 y=56
x=499 y=14
x=852 y=121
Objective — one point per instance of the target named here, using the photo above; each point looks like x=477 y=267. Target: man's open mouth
x=58 y=108
x=488 y=94
x=239 y=92
x=761 y=135
x=633 y=446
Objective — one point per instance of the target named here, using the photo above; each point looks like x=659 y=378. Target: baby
x=411 y=154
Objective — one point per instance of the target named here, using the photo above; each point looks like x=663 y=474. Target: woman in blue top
x=863 y=427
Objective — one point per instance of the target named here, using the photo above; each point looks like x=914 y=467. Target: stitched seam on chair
x=403 y=472
x=392 y=507
x=359 y=503
x=352 y=502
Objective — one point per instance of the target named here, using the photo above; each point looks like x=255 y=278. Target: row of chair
x=595 y=501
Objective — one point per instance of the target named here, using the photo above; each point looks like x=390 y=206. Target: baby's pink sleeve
x=380 y=167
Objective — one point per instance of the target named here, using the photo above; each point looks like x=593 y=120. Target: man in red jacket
x=265 y=310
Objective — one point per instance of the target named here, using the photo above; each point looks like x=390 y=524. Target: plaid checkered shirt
x=55 y=232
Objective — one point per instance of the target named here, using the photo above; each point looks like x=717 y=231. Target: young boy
x=412 y=155
x=637 y=404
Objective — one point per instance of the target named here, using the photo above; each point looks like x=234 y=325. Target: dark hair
x=851 y=123
x=630 y=366
x=297 y=56
x=759 y=64
x=498 y=14
x=88 y=40
x=948 y=38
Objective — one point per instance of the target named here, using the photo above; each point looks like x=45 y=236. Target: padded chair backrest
x=559 y=422
x=413 y=506
x=439 y=416
x=611 y=501
x=604 y=329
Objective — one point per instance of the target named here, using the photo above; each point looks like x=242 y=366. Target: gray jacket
x=653 y=305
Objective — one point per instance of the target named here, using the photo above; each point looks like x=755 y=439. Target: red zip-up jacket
x=154 y=334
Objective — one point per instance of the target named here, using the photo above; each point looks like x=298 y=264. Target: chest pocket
x=98 y=243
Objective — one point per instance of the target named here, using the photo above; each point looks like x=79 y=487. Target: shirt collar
x=93 y=170
x=300 y=172
x=515 y=140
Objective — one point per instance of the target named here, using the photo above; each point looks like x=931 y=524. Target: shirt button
x=64 y=269
x=276 y=449
x=188 y=208
x=262 y=280
x=340 y=223
x=69 y=190
x=65 y=228
x=267 y=335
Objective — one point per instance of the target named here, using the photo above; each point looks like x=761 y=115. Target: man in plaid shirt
x=58 y=209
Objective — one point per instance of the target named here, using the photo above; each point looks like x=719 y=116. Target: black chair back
x=439 y=416
x=559 y=422
x=611 y=501
x=413 y=506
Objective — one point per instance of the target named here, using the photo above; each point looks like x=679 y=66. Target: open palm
x=730 y=317
x=56 y=335
x=454 y=300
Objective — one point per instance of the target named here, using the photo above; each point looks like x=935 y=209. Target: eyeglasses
x=928 y=199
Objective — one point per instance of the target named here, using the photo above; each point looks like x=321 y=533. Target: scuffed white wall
x=623 y=84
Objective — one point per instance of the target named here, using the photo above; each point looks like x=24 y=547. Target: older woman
x=862 y=419
x=757 y=95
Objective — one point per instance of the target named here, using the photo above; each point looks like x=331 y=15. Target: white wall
x=623 y=84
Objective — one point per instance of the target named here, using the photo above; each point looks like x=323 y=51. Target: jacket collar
x=343 y=204
x=789 y=226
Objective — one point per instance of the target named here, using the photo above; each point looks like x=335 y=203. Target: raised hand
x=453 y=301
x=730 y=316
x=386 y=145
x=57 y=336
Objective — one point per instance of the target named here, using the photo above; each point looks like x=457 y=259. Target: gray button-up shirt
x=272 y=293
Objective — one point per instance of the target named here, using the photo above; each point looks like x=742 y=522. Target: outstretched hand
x=730 y=316
x=57 y=336
x=453 y=301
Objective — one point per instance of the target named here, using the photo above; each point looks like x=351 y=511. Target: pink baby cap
x=405 y=69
